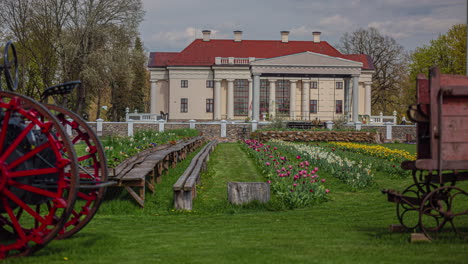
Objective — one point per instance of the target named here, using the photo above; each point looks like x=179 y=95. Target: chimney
x=237 y=36
x=316 y=35
x=206 y=35
x=285 y=36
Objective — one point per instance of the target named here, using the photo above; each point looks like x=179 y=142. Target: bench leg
x=139 y=198
x=150 y=182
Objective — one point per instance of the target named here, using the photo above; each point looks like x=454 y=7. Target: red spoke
x=28 y=155
x=24 y=206
x=85 y=157
x=76 y=139
x=35 y=190
x=13 y=219
x=86 y=176
x=34 y=172
x=17 y=141
x=3 y=133
x=85 y=197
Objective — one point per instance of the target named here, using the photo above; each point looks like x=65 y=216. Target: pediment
x=308 y=59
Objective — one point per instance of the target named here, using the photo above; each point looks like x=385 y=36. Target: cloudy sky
x=170 y=25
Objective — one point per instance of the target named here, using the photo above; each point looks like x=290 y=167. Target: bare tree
x=390 y=62
x=63 y=38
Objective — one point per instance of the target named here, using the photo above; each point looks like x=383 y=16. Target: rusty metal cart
x=434 y=203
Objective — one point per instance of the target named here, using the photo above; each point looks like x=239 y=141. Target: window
x=241 y=97
x=264 y=96
x=313 y=106
x=339 y=85
x=339 y=106
x=209 y=84
x=282 y=96
x=209 y=105
x=313 y=85
x=184 y=83
x=183 y=105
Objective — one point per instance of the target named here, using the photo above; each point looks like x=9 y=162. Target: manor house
x=215 y=79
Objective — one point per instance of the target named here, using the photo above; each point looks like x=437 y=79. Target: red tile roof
x=203 y=53
x=366 y=60
x=160 y=59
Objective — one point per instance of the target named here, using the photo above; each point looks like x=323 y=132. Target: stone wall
x=399 y=133
x=323 y=136
x=238 y=131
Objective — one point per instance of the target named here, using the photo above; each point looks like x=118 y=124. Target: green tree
x=140 y=82
x=448 y=52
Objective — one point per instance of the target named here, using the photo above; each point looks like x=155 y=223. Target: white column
x=355 y=98
x=217 y=100
x=305 y=99
x=230 y=99
x=250 y=98
x=130 y=128
x=272 y=99
x=153 y=103
x=346 y=98
x=223 y=128
x=99 y=126
x=367 y=98
x=256 y=97
x=292 y=100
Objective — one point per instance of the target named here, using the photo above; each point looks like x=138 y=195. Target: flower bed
x=393 y=155
x=356 y=174
x=292 y=179
x=382 y=158
x=118 y=148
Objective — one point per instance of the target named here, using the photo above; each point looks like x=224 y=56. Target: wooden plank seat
x=185 y=187
x=146 y=168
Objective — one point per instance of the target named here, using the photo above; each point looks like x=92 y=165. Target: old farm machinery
x=436 y=203
x=53 y=171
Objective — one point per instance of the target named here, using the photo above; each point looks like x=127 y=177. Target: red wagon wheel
x=38 y=175
x=92 y=170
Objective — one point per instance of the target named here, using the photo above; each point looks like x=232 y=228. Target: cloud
x=177 y=40
x=409 y=27
x=336 y=23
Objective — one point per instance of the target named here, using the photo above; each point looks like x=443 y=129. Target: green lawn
x=350 y=228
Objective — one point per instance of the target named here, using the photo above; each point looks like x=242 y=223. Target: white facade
x=290 y=86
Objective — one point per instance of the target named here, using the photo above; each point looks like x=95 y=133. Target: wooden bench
x=185 y=189
x=146 y=168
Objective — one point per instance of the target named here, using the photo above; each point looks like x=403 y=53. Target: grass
x=350 y=228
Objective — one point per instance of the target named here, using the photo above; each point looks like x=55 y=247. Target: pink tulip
x=269 y=181
x=323 y=180
x=295 y=185
x=298 y=157
x=267 y=163
x=315 y=169
x=327 y=191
